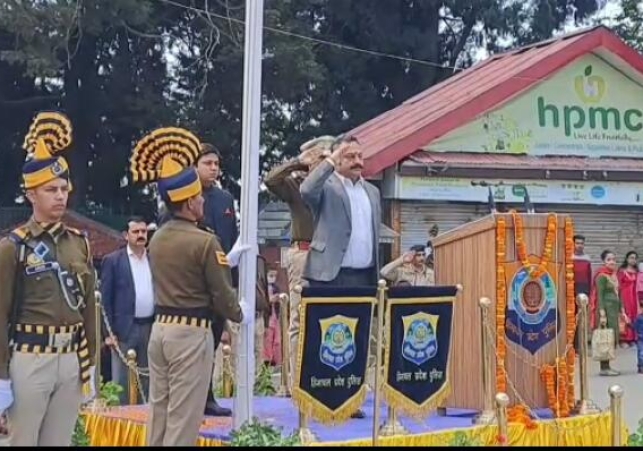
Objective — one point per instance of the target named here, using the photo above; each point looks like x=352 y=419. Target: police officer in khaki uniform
x=410 y=269
x=47 y=301
x=192 y=283
x=283 y=181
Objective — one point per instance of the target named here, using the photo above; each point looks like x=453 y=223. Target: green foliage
x=261 y=434
x=636 y=439
x=80 y=437
x=461 y=439
x=110 y=392
x=264 y=381
x=120 y=68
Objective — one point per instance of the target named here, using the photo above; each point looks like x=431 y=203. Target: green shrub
x=261 y=434
x=636 y=439
x=461 y=439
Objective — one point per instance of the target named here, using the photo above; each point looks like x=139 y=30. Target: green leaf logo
x=588 y=70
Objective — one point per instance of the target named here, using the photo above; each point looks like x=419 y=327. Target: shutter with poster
x=619 y=229
x=418 y=217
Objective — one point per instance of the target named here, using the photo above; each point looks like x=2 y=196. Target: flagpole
x=243 y=410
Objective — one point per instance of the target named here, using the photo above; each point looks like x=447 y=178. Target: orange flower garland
x=570 y=304
x=558 y=378
x=501 y=305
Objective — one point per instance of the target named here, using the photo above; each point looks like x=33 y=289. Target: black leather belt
x=143 y=321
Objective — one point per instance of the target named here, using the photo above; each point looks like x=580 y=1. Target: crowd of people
x=174 y=299
x=615 y=292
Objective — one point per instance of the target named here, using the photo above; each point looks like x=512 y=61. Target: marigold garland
x=501 y=305
x=558 y=378
x=570 y=310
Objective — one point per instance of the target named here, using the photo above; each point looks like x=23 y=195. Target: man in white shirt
x=346 y=209
x=128 y=297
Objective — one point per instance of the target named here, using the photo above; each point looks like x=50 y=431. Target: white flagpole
x=243 y=411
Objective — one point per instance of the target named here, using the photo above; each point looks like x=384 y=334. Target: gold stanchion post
x=616 y=413
x=392 y=426
x=132 y=380
x=488 y=415
x=502 y=401
x=284 y=389
x=98 y=317
x=585 y=405
x=381 y=301
x=226 y=373
x=306 y=436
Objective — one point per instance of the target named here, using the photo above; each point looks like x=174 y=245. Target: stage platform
x=125 y=426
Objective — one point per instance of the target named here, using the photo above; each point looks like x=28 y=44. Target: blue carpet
x=281 y=413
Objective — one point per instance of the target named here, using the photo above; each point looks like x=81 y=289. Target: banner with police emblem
x=334 y=339
x=418 y=328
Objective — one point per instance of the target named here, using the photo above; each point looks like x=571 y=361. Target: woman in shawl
x=627 y=277
x=605 y=302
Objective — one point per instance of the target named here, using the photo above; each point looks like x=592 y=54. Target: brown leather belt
x=302 y=245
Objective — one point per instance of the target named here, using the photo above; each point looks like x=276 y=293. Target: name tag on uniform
x=61 y=340
x=39 y=268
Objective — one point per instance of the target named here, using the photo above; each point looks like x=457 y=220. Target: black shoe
x=213 y=409
x=358 y=414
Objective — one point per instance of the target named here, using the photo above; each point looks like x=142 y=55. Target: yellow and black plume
x=148 y=155
x=50 y=128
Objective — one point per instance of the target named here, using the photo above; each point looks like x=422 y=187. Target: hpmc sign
x=588 y=108
x=584 y=119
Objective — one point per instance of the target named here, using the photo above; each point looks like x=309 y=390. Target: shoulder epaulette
x=77 y=231
x=206 y=229
x=19 y=234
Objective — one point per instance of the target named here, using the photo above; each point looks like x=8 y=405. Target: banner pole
x=392 y=425
x=381 y=294
x=284 y=389
x=488 y=415
x=98 y=317
x=585 y=406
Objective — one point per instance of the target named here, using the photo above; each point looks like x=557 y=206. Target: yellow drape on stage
x=109 y=431
x=590 y=430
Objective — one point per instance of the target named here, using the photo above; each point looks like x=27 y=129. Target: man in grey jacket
x=346 y=210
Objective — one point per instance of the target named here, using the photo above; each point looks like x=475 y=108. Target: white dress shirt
x=359 y=253
x=142 y=276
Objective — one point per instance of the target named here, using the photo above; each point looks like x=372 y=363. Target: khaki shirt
x=43 y=301
x=281 y=182
x=190 y=270
x=398 y=272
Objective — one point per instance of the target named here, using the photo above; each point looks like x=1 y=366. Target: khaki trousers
x=180 y=361
x=47 y=396
x=260 y=337
x=295 y=267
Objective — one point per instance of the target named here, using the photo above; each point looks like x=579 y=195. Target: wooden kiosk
x=491 y=258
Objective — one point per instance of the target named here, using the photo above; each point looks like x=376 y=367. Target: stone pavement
x=631 y=382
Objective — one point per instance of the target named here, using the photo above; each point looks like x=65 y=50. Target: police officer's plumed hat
x=49 y=134
x=167 y=156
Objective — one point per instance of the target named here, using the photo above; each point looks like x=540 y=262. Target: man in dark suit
x=219 y=215
x=128 y=297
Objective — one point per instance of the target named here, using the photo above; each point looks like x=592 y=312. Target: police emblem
x=34 y=260
x=337 y=347
x=57 y=169
x=420 y=341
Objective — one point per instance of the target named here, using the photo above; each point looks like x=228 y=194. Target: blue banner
x=419 y=326
x=335 y=330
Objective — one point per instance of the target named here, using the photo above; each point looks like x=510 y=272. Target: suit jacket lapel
x=128 y=269
x=339 y=186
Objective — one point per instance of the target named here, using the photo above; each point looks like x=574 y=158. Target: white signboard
x=512 y=191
